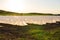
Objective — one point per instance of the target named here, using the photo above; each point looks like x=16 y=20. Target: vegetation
x=7 y=13
x=49 y=31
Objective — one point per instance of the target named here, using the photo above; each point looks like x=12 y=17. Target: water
x=22 y=20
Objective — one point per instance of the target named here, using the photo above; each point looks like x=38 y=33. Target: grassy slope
x=30 y=32
x=6 y=13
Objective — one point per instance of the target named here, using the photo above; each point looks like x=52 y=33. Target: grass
x=29 y=32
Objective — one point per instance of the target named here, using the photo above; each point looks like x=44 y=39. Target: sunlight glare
x=15 y=5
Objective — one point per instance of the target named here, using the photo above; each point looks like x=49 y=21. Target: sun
x=15 y=5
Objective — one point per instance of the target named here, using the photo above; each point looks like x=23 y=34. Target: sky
x=40 y=6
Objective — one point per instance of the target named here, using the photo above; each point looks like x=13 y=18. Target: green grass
x=29 y=32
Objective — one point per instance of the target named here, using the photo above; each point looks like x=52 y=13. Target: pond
x=22 y=20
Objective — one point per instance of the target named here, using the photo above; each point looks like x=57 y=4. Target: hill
x=7 y=13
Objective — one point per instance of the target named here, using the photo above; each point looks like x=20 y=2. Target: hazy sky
x=50 y=6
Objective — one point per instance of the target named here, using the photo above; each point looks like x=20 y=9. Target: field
x=49 y=31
